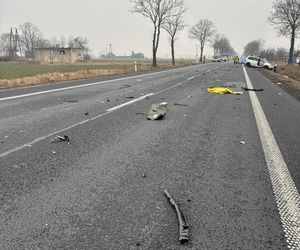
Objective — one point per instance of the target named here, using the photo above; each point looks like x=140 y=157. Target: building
x=132 y=57
x=60 y=55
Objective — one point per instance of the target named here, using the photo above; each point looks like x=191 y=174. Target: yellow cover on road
x=222 y=91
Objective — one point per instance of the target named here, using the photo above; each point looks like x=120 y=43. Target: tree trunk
x=172 y=51
x=154 y=48
x=291 y=56
x=201 y=54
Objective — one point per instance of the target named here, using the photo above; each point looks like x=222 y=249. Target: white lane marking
x=91 y=119
x=91 y=84
x=128 y=103
x=285 y=191
x=74 y=125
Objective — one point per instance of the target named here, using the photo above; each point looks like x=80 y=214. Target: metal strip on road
x=285 y=191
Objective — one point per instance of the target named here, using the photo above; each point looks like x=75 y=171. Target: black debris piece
x=183 y=225
x=247 y=89
x=180 y=104
x=129 y=97
x=107 y=99
x=59 y=138
x=86 y=113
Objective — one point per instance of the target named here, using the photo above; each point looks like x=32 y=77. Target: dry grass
x=292 y=71
x=289 y=84
x=111 y=68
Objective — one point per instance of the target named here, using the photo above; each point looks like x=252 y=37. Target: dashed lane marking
x=285 y=191
x=94 y=118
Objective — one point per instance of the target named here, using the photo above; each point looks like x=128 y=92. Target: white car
x=254 y=61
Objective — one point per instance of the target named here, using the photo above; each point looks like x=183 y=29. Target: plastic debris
x=247 y=89
x=59 y=138
x=157 y=111
x=242 y=142
x=222 y=91
x=180 y=104
x=183 y=225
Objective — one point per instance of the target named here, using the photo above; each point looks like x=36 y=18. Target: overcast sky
x=111 y=22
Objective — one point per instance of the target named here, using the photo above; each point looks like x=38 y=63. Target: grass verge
x=286 y=78
x=14 y=75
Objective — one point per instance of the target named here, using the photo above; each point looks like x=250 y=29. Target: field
x=20 y=74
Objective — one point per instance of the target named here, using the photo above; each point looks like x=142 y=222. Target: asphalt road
x=105 y=190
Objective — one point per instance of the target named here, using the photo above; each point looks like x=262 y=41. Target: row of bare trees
x=256 y=47
x=169 y=16
x=31 y=38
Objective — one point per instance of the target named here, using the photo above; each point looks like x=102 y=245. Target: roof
x=55 y=48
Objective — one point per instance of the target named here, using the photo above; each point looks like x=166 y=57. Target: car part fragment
x=183 y=225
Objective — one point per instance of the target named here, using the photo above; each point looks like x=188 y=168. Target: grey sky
x=104 y=22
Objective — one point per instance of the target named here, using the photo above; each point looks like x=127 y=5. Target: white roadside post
x=135 y=66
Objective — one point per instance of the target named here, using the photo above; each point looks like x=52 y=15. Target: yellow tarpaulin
x=222 y=91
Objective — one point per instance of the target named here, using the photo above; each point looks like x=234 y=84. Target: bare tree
x=286 y=19
x=174 y=24
x=281 y=54
x=29 y=37
x=221 y=45
x=4 y=44
x=203 y=32
x=63 y=41
x=254 y=47
x=158 y=11
x=80 y=42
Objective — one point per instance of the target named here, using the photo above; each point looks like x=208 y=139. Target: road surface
x=230 y=161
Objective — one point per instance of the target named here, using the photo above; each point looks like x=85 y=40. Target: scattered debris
x=86 y=113
x=129 y=97
x=107 y=99
x=53 y=152
x=180 y=104
x=221 y=91
x=183 y=225
x=247 y=89
x=144 y=175
x=157 y=111
x=242 y=142
x=59 y=138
